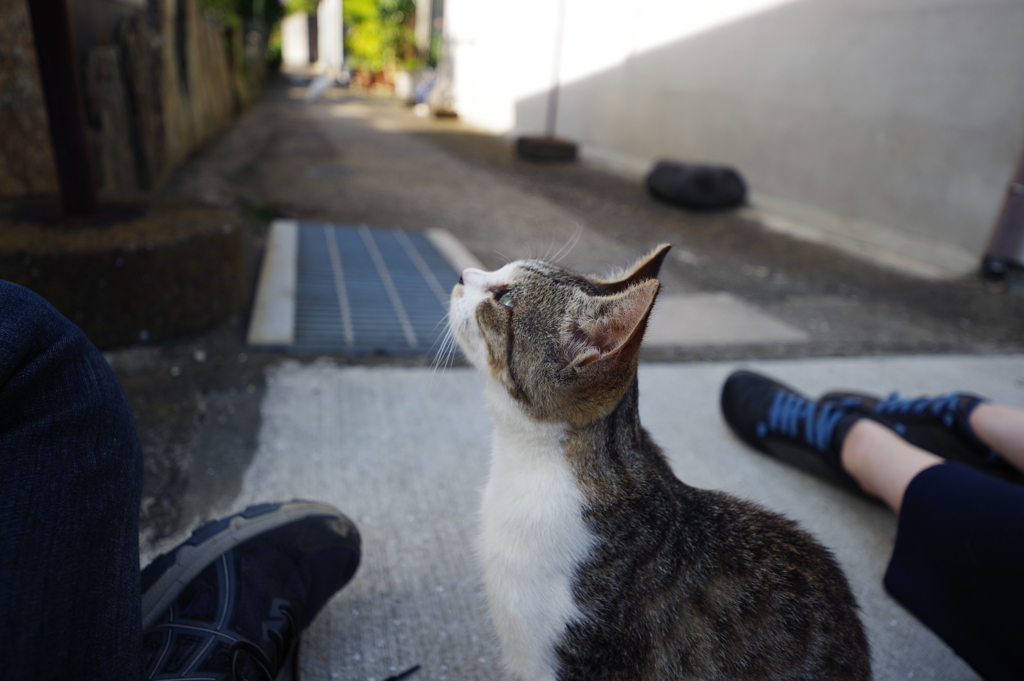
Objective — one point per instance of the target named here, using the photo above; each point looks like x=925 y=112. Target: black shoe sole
x=164 y=579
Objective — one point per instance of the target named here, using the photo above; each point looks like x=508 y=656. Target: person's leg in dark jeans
x=229 y=603
x=959 y=550
x=70 y=486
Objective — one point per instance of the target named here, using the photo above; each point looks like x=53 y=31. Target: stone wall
x=26 y=160
x=156 y=87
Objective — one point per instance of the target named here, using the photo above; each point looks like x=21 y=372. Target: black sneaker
x=940 y=425
x=231 y=602
x=780 y=422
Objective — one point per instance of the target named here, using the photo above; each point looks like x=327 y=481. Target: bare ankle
x=858 y=446
x=882 y=462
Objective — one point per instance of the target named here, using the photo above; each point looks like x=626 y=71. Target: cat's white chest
x=533 y=540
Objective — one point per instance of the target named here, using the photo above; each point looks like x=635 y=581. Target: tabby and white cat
x=598 y=562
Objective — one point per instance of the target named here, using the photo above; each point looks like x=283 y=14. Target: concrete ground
x=404 y=451
x=402 y=448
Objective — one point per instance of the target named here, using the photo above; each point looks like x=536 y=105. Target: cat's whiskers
x=450 y=351
x=443 y=355
x=447 y=347
x=547 y=253
x=440 y=360
x=569 y=245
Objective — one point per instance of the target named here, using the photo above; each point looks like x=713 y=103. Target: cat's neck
x=621 y=427
x=618 y=433
x=514 y=428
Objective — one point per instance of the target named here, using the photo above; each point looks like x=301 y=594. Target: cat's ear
x=646 y=268
x=617 y=328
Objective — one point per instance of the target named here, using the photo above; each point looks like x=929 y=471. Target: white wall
x=423 y=24
x=295 y=40
x=907 y=114
x=330 y=39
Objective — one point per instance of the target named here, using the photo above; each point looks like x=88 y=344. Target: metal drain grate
x=369 y=290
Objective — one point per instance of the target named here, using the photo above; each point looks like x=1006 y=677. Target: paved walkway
x=404 y=451
x=357 y=161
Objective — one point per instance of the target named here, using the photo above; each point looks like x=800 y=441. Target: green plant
x=274 y=49
x=379 y=33
x=248 y=14
x=228 y=12
x=235 y=13
x=293 y=6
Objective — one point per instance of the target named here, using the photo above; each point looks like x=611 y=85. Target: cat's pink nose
x=472 y=277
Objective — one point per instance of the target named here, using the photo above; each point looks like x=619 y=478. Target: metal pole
x=55 y=50
x=1004 y=246
x=552 y=114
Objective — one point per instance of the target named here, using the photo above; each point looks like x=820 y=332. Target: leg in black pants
x=70 y=486
x=958 y=565
x=72 y=601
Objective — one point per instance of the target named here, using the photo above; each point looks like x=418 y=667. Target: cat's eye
x=506 y=299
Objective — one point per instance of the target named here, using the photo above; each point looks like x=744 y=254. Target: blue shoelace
x=943 y=406
x=788 y=412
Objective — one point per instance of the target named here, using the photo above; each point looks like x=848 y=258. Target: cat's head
x=562 y=345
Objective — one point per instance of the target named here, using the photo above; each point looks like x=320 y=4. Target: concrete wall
x=317 y=40
x=906 y=114
x=330 y=36
x=295 y=40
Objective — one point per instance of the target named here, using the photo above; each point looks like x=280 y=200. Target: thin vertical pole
x=552 y=116
x=55 y=50
x=1005 y=243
